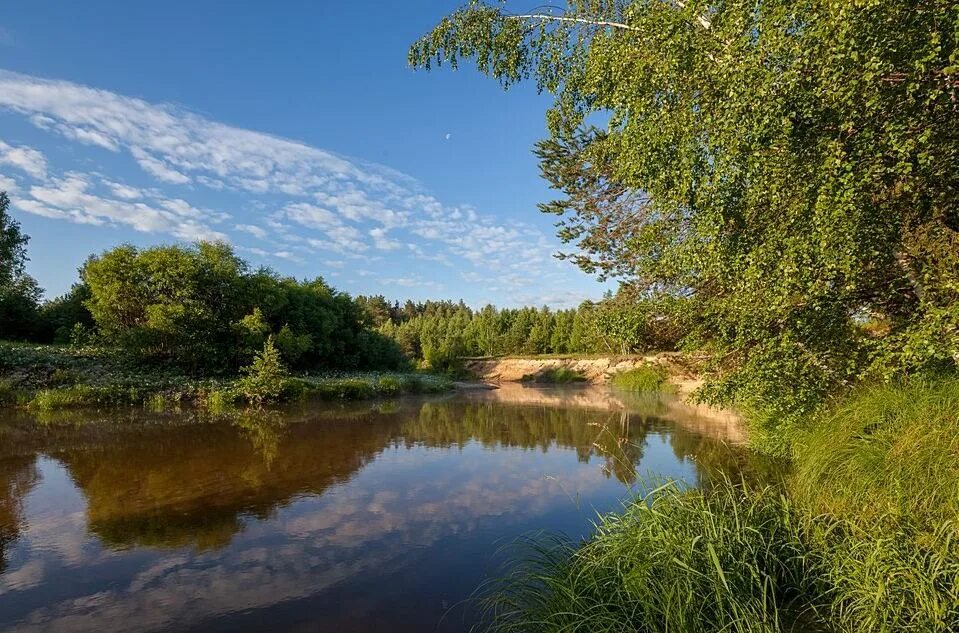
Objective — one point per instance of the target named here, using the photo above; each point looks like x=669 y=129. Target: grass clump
x=888 y=452
x=648 y=378
x=676 y=560
x=555 y=376
x=84 y=396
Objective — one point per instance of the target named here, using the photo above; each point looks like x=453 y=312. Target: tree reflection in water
x=189 y=479
x=372 y=513
x=18 y=475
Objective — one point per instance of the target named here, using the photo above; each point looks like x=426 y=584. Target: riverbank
x=680 y=369
x=47 y=377
x=863 y=536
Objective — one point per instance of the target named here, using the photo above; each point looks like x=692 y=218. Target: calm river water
x=373 y=517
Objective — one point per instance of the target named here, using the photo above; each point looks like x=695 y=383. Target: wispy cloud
x=307 y=200
x=72 y=198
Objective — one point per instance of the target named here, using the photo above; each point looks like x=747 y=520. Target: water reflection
x=351 y=518
x=17 y=476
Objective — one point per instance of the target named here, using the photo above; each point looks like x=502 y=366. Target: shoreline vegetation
x=48 y=377
x=773 y=187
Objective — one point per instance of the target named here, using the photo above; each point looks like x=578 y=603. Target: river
x=381 y=516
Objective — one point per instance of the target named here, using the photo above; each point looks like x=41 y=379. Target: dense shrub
x=66 y=319
x=201 y=309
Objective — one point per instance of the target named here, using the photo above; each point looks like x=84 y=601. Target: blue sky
x=293 y=130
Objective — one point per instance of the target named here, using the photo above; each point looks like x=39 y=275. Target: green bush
x=641 y=379
x=264 y=379
x=201 y=309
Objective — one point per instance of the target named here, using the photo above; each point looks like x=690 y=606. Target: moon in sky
x=448 y=136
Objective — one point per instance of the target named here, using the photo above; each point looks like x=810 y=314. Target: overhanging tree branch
x=703 y=21
x=566 y=18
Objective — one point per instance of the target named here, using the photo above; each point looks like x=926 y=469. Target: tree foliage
x=201 y=308
x=263 y=378
x=787 y=168
x=19 y=293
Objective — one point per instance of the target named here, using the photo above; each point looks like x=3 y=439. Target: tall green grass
x=880 y=471
x=888 y=453
x=642 y=379
x=676 y=560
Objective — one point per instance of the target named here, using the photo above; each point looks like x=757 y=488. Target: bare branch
x=564 y=18
x=703 y=21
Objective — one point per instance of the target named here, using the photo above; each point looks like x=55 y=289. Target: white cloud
x=382 y=241
x=24 y=158
x=253 y=230
x=411 y=282
x=158 y=169
x=73 y=198
x=123 y=191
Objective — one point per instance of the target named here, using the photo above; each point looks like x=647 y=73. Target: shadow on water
x=306 y=511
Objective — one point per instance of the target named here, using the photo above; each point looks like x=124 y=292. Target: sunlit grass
x=676 y=560
x=642 y=379
x=887 y=451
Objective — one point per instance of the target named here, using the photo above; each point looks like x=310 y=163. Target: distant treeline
x=438 y=333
